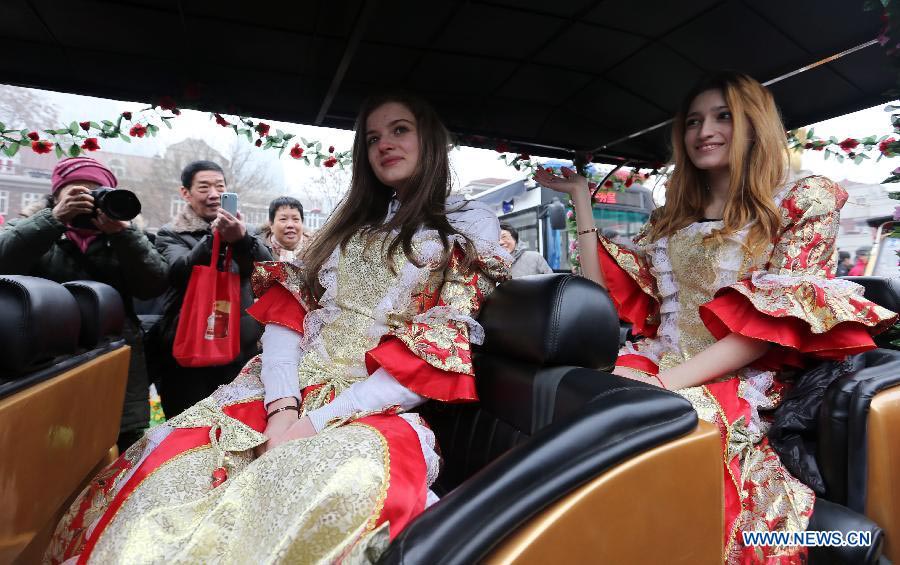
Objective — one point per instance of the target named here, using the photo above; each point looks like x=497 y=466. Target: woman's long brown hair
x=365 y=205
x=758 y=158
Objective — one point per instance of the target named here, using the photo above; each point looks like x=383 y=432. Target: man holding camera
x=48 y=244
x=185 y=242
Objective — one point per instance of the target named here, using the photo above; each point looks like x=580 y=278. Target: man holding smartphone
x=184 y=242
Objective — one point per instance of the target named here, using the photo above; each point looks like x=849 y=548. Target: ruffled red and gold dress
x=684 y=292
x=192 y=490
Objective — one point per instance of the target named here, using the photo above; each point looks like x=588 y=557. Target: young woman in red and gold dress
x=730 y=283
x=311 y=455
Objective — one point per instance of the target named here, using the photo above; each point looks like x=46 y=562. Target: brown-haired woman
x=731 y=282
x=310 y=454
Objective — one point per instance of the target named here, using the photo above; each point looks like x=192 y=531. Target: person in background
x=45 y=245
x=862 y=259
x=186 y=241
x=524 y=262
x=844 y=265
x=284 y=233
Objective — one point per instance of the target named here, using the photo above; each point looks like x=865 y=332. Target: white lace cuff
x=381 y=390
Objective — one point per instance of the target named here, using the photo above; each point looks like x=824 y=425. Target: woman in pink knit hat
x=45 y=244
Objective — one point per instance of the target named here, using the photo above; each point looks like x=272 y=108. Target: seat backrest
x=40 y=321
x=842 y=438
x=883 y=291
x=539 y=331
x=102 y=312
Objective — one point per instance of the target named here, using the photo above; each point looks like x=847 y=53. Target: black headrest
x=102 y=311
x=40 y=320
x=551 y=320
x=881 y=290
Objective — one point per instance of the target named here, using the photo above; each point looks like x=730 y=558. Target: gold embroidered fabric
x=306 y=501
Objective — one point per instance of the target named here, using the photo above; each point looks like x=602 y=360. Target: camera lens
x=119 y=204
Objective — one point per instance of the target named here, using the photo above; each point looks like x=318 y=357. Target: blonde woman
x=730 y=283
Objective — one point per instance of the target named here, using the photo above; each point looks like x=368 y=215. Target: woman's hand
x=570 y=182
x=278 y=424
x=107 y=225
x=637 y=376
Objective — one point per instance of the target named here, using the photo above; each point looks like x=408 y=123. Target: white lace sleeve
x=280 y=357
x=379 y=391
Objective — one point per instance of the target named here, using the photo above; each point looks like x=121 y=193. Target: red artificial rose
x=167 y=103
x=258 y=143
x=819 y=147
x=41 y=146
x=629 y=181
x=137 y=130
x=90 y=144
x=176 y=111
x=646 y=176
x=524 y=157
x=808 y=146
x=502 y=148
x=608 y=184
x=884 y=147
x=331 y=148
x=33 y=136
x=330 y=162
x=849 y=144
x=221 y=121
x=126 y=115
x=296 y=151
x=86 y=126
x=262 y=129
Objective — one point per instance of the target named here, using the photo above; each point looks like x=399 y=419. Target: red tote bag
x=209 y=329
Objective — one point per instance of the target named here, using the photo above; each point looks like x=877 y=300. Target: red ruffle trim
x=795 y=344
x=278 y=306
x=632 y=303
x=639 y=362
x=417 y=375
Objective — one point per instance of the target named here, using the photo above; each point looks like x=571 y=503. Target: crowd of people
x=376 y=314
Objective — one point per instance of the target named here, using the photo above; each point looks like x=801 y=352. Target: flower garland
x=84 y=136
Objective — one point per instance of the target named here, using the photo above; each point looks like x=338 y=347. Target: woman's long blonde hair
x=758 y=158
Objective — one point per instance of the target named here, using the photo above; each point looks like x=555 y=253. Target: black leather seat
x=40 y=321
x=102 y=312
x=544 y=425
x=63 y=369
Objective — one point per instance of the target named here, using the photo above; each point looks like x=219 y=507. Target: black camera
x=117 y=204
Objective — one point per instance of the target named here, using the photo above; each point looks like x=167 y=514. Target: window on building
x=175 y=205
x=4 y=201
x=117 y=167
x=29 y=198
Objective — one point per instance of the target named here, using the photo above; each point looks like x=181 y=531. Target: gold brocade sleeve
x=798 y=282
x=445 y=307
x=634 y=263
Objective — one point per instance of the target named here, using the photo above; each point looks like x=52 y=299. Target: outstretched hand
x=570 y=182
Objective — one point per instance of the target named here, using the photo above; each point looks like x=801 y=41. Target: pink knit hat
x=77 y=169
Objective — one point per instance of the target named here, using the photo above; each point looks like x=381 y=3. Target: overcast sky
x=468 y=163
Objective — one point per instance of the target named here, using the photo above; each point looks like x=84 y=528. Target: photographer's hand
x=77 y=200
x=231 y=228
x=107 y=225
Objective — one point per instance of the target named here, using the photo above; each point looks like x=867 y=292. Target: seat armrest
x=622 y=420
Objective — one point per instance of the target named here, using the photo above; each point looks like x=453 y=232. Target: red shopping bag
x=209 y=329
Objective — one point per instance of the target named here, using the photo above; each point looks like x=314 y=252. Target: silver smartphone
x=230 y=202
